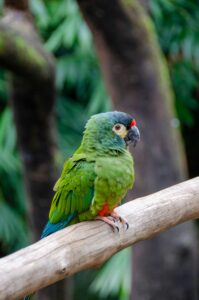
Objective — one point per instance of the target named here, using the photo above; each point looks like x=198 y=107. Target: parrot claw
x=117 y=228
x=127 y=226
x=122 y=220
x=112 y=222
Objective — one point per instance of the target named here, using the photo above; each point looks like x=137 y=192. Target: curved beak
x=133 y=136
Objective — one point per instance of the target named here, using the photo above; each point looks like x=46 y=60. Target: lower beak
x=133 y=136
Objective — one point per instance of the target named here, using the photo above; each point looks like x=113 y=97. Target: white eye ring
x=117 y=127
x=120 y=130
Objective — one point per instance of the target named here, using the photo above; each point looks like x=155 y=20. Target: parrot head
x=110 y=131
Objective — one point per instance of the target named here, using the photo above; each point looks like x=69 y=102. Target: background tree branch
x=27 y=60
x=89 y=244
x=20 y=41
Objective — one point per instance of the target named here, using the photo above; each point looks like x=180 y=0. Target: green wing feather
x=74 y=190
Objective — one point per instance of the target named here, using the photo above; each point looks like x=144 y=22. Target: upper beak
x=133 y=136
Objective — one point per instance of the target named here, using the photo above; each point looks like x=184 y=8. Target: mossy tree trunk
x=137 y=80
x=32 y=84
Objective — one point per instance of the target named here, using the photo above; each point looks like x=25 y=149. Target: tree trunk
x=137 y=79
x=32 y=102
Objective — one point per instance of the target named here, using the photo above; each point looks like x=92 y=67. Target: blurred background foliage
x=80 y=89
x=81 y=93
x=177 y=26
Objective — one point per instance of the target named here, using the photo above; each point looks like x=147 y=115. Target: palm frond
x=114 y=278
x=13 y=231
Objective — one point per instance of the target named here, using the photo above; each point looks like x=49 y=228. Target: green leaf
x=13 y=233
x=114 y=278
x=39 y=9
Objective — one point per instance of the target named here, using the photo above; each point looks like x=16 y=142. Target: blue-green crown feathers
x=99 y=136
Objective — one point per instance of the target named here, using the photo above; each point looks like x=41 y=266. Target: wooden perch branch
x=89 y=244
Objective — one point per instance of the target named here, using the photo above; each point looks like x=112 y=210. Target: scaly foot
x=117 y=218
x=113 y=225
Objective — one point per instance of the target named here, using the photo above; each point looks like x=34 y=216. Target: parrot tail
x=51 y=228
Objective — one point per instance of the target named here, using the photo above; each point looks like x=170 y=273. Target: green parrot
x=98 y=175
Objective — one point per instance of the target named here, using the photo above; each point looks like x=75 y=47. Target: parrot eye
x=117 y=127
x=120 y=130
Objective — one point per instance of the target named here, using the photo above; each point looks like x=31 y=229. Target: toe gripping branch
x=113 y=220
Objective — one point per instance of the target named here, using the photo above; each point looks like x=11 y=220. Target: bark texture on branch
x=89 y=244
